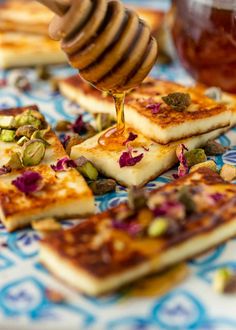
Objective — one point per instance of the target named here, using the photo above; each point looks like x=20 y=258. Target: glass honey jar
x=204 y=33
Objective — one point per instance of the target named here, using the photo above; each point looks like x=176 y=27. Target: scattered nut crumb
x=228 y=172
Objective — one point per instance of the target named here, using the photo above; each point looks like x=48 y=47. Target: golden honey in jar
x=204 y=33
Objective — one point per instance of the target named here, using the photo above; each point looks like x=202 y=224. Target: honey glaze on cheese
x=112 y=49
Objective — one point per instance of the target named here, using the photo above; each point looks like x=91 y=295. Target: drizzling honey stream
x=110 y=46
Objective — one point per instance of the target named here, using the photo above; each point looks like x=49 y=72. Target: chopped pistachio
x=213 y=148
x=7 y=121
x=27 y=118
x=25 y=130
x=86 y=168
x=195 y=156
x=33 y=153
x=103 y=186
x=63 y=126
x=214 y=93
x=22 y=141
x=209 y=164
x=36 y=114
x=228 y=172
x=39 y=135
x=178 y=101
x=73 y=141
x=46 y=225
x=185 y=197
x=221 y=279
x=158 y=227
x=15 y=161
x=137 y=198
x=103 y=121
x=7 y=135
x=43 y=72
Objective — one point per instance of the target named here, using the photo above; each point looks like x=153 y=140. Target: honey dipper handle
x=59 y=7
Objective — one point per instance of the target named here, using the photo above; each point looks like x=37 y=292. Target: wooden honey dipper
x=110 y=46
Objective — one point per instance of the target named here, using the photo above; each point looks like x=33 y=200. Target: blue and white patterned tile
x=192 y=306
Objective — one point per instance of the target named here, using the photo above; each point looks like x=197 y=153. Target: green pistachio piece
x=44 y=131
x=15 y=161
x=7 y=135
x=221 y=279
x=103 y=121
x=103 y=186
x=22 y=141
x=27 y=118
x=33 y=153
x=86 y=168
x=137 y=198
x=63 y=126
x=158 y=227
x=178 y=101
x=7 y=121
x=40 y=135
x=186 y=198
x=208 y=164
x=26 y=130
x=213 y=148
x=73 y=141
x=195 y=156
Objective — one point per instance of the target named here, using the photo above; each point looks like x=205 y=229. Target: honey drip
x=115 y=136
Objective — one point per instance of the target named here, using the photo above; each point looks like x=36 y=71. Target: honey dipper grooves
x=108 y=43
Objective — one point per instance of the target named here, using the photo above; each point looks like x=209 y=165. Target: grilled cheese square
x=23 y=49
x=64 y=194
x=156 y=158
x=118 y=246
x=167 y=125
x=24 y=16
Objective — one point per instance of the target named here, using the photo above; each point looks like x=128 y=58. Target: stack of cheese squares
x=159 y=130
x=24 y=39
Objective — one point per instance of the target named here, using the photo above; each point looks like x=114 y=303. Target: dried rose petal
x=28 y=182
x=216 y=197
x=155 y=107
x=63 y=164
x=169 y=208
x=5 y=170
x=132 y=228
x=126 y=159
x=183 y=167
x=78 y=126
x=131 y=137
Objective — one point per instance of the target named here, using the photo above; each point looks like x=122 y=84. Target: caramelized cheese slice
x=24 y=49
x=95 y=257
x=64 y=194
x=157 y=158
x=202 y=116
